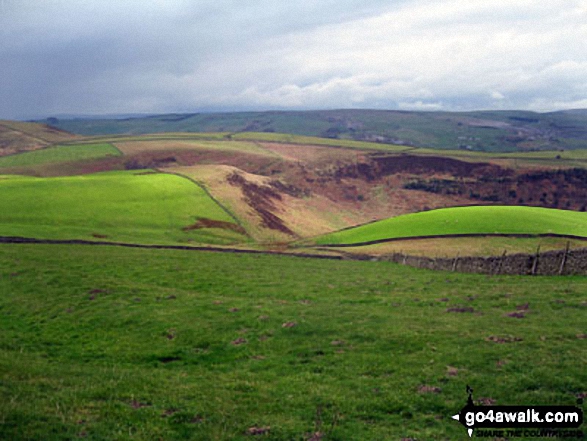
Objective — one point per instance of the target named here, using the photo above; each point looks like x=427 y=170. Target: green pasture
x=234 y=146
x=466 y=220
x=550 y=157
x=137 y=207
x=314 y=140
x=62 y=153
x=231 y=140
x=162 y=136
x=106 y=342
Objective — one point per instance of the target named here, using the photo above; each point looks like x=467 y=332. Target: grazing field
x=62 y=153
x=314 y=140
x=134 y=147
x=467 y=246
x=136 y=207
x=116 y=343
x=466 y=220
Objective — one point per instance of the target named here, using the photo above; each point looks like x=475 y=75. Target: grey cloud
x=66 y=56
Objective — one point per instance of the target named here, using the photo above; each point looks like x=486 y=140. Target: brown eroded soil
x=211 y=223
x=16 y=137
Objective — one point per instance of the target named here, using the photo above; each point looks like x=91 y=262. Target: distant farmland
x=492 y=131
x=63 y=153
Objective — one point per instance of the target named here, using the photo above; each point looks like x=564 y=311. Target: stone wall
x=562 y=262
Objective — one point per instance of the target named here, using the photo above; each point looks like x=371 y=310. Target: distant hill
x=16 y=137
x=492 y=131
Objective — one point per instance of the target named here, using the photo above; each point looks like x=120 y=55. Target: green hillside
x=62 y=153
x=490 y=131
x=136 y=207
x=466 y=220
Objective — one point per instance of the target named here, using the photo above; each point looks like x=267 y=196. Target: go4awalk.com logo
x=520 y=421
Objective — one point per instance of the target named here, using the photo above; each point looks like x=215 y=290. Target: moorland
x=258 y=324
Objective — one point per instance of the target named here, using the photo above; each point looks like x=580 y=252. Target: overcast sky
x=156 y=56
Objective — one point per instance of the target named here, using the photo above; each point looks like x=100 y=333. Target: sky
x=105 y=57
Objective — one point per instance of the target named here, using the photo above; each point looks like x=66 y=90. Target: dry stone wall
x=562 y=262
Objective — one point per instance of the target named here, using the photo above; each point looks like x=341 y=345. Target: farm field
x=131 y=206
x=223 y=141
x=57 y=154
x=280 y=188
x=116 y=343
x=466 y=220
x=467 y=246
x=131 y=147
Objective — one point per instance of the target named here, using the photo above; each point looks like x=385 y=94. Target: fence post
x=454 y=264
x=535 y=264
x=564 y=261
x=500 y=263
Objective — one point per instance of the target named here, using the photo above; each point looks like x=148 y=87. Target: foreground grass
x=112 y=343
x=136 y=207
x=466 y=220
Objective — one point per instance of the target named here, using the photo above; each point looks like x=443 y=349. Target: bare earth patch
x=460 y=309
x=427 y=389
x=503 y=339
x=211 y=223
x=517 y=314
x=258 y=430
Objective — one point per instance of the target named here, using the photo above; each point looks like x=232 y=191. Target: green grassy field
x=63 y=153
x=466 y=246
x=231 y=140
x=466 y=220
x=136 y=207
x=112 y=343
x=130 y=147
x=313 y=140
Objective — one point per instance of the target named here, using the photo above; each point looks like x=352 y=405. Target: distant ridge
x=491 y=131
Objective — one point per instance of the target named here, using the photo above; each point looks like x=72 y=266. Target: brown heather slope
x=284 y=191
x=16 y=137
x=269 y=210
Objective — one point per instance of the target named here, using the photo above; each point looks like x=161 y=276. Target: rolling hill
x=18 y=136
x=276 y=189
x=462 y=221
x=491 y=131
x=131 y=206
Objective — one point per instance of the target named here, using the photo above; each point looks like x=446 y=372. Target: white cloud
x=420 y=105
x=496 y=95
x=439 y=52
